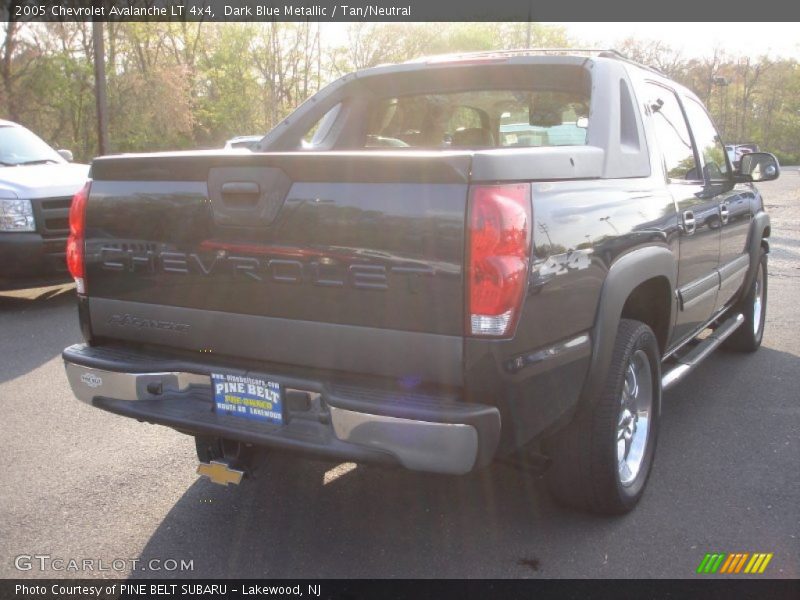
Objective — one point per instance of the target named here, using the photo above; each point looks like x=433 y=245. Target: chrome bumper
x=416 y=444
x=88 y=383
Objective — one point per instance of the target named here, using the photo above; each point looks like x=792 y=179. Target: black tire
x=747 y=338
x=587 y=473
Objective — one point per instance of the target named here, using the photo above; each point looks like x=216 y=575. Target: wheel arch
x=649 y=302
x=760 y=230
x=632 y=280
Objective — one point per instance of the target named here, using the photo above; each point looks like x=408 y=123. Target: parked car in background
x=246 y=142
x=36 y=188
x=736 y=151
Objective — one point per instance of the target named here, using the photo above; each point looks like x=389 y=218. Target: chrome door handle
x=689 y=224
x=724 y=213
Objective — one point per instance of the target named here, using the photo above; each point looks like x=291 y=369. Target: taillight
x=498 y=257
x=77 y=237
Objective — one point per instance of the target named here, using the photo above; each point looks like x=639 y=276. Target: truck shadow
x=294 y=519
x=302 y=518
x=36 y=326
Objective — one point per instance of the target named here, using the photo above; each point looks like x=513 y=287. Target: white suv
x=36 y=188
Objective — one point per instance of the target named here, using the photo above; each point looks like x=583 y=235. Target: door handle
x=724 y=213
x=689 y=224
x=241 y=194
x=241 y=187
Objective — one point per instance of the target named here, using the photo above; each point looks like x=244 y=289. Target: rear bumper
x=29 y=260
x=425 y=433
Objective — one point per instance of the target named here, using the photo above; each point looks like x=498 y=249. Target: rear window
x=479 y=119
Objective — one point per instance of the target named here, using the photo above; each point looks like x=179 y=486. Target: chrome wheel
x=757 y=300
x=621 y=422
x=633 y=425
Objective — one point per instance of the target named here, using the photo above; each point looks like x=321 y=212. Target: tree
x=9 y=68
x=657 y=54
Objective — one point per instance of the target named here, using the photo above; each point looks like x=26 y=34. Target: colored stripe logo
x=737 y=562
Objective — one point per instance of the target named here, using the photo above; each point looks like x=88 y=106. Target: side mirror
x=66 y=155
x=758 y=166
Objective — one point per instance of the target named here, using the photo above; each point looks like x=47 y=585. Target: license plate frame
x=250 y=397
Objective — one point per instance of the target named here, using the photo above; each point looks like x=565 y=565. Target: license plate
x=248 y=397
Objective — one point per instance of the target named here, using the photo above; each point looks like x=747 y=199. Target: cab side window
x=672 y=134
x=709 y=145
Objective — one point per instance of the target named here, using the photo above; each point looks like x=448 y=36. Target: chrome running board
x=687 y=362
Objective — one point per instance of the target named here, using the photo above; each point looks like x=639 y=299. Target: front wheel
x=753 y=305
x=601 y=461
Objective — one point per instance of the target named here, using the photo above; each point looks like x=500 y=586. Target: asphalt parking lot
x=79 y=483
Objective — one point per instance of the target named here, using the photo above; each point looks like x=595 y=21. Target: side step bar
x=687 y=363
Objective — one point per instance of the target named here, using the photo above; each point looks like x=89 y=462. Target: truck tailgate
x=346 y=260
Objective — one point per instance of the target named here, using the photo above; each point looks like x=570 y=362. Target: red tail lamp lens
x=499 y=256
x=77 y=236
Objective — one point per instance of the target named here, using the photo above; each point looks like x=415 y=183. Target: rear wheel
x=753 y=305
x=601 y=461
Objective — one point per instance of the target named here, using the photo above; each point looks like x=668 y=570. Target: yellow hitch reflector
x=220 y=473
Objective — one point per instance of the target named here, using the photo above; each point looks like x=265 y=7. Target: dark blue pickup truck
x=431 y=265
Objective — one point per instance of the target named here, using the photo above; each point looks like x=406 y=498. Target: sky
x=694 y=39
x=698 y=39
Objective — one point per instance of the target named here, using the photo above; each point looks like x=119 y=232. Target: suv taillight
x=499 y=241
x=77 y=237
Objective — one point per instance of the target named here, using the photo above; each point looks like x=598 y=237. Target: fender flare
x=755 y=241
x=624 y=276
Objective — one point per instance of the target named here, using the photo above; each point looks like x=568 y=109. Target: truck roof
x=531 y=56
x=517 y=56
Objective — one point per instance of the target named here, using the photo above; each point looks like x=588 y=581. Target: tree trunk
x=6 y=76
x=100 y=88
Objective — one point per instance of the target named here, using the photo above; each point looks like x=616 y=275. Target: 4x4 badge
x=91 y=380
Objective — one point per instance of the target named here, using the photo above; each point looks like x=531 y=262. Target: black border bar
x=406 y=589
x=711 y=11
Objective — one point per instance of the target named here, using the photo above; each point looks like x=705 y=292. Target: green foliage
x=228 y=93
